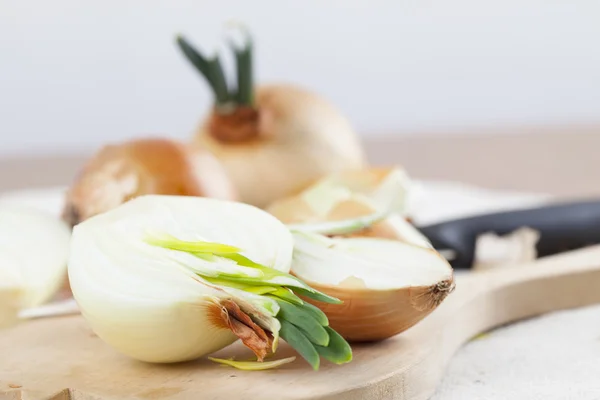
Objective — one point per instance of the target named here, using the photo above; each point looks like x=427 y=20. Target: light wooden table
x=564 y=161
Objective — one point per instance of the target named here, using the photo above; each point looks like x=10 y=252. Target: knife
x=562 y=226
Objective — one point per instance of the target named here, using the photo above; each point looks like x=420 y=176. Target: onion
x=118 y=173
x=273 y=140
x=386 y=286
x=171 y=278
x=353 y=242
x=34 y=249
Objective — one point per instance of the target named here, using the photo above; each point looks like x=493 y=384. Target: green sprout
x=303 y=326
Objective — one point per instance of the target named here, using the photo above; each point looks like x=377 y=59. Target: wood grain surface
x=60 y=358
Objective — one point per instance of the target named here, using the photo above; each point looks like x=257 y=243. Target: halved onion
x=34 y=247
x=172 y=278
x=386 y=286
x=386 y=272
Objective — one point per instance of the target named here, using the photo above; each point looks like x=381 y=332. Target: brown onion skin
x=287 y=140
x=365 y=315
x=120 y=172
x=372 y=315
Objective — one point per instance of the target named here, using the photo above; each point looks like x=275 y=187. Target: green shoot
x=316 y=313
x=305 y=321
x=287 y=295
x=318 y=296
x=211 y=69
x=338 y=351
x=295 y=338
x=170 y=242
x=342 y=227
x=303 y=326
x=253 y=365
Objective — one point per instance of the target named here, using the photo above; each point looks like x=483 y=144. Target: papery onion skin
x=287 y=140
x=368 y=315
x=378 y=187
x=386 y=286
x=120 y=172
x=351 y=194
x=395 y=227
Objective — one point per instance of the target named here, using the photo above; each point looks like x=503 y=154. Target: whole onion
x=273 y=140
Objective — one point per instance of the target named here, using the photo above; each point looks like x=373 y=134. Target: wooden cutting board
x=60 y=358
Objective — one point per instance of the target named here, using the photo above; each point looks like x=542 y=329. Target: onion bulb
x=34 y=248
x=273 y=140
x=386 y=286
x=118 y=173
x=171 y=278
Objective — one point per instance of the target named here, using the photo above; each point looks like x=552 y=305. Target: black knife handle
x=562 y=226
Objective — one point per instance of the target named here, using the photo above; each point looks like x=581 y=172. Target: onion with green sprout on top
x=273 y=140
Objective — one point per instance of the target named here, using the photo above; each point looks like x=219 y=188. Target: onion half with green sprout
x=170 y=278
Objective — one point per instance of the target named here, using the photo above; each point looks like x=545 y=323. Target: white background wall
x=75 y=74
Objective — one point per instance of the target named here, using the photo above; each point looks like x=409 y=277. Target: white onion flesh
x=146 y=301
x=34 y=248
x=379 y=264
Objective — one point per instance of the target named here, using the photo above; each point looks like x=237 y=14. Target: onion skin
x=118 y=173
x=294 y=210
x=292 y=138
x=369 y=315
x=297 y=209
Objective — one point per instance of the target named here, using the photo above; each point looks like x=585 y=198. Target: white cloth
x=552 y=357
